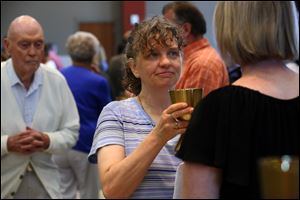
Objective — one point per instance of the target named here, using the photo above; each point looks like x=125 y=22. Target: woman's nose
x=164 y=60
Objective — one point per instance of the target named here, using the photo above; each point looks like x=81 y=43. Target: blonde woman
x=255 y=117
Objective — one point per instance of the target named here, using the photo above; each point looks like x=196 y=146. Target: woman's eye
x=173 y=54
x=153 y=55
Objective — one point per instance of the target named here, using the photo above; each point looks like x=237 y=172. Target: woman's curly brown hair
x=144 y=37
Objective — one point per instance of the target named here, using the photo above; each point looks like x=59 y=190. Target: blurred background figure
x=116 y=71
x=234 y=72
x=256 y=117
x=46 y=60
x=103 y=65
x=100 y=66
x=203 y=67
x=52 y=54
x=39 y=117
x=91 y=93
x=4 y=53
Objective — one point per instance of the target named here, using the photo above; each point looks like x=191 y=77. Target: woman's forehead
x=162 y=42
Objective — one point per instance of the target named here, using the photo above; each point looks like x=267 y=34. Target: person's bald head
x=25 y=44
x=23 y=24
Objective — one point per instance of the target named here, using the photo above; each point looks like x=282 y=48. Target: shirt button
x=21 y=176
x=12 y=194
x=29 y=168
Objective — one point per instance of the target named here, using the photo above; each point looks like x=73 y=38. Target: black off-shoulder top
x=232 y=128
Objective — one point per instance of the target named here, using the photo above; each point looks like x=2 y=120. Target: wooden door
x=104 y=31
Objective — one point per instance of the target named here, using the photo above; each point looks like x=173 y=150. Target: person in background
x=52 y=54
x=116 y=71
x=4 y=54
x=135 y=138
x=203 y=67
x=39 y=117
x=103 y=64
x=46 y=60
x=256 y=117
x=91 y=93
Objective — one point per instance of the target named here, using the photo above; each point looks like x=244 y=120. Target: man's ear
x=6 y=45
x=187 y=29
x=131 y=64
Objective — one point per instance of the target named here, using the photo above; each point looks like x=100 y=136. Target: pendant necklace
x=140 y=101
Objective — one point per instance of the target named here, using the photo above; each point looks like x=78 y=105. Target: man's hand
x=28 y=141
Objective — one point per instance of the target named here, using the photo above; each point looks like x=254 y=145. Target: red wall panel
x=129 y=8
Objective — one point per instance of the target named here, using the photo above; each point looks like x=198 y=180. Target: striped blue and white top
x=125 y=123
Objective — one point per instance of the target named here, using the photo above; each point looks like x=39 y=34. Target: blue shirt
x=91 y=93
x=125 y=123
x=26 y=99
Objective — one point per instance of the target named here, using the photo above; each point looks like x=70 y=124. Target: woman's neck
x=154 y=103
x=270 y=77
x=271 y=67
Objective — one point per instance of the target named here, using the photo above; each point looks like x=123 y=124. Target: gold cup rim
x=184 y=89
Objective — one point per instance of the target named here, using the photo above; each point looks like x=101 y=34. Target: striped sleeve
x=109 y=131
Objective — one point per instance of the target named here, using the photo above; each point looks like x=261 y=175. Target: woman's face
x=159 y=67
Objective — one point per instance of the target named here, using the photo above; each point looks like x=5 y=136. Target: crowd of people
x=72 y=132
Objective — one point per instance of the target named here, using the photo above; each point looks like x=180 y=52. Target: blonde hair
x=83 y=46
x=251 y=31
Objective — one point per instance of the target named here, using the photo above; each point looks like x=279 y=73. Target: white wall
x=61 y=18
x=206 y=8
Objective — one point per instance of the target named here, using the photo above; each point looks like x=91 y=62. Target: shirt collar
x=14 y=79
x=196 y=45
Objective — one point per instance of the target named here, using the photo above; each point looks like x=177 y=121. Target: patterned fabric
x=125 y=123
x=203 y=68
